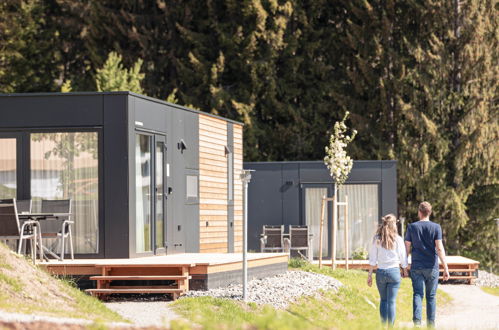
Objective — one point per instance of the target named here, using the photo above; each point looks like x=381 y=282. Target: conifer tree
x=455 y=85
x=114 y=77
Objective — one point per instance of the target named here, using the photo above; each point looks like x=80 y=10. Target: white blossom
x=337 y=160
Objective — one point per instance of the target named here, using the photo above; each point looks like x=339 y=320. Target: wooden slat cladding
x=238 y=188
x=212 y=184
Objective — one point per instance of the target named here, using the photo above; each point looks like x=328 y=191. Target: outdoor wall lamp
x=181 y=145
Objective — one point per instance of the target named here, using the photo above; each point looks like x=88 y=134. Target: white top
x=384 y=258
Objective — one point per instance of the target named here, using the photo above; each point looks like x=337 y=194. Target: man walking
x=425 y=238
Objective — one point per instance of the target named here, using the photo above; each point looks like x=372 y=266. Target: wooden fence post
x=346 y=232
x=324 y=202
x=334 y=229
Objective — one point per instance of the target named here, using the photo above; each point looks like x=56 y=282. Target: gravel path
x=278 y=291
x=471 y=308
x=145 y=313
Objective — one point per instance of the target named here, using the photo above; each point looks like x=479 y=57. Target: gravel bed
x=487 y=279
x=278 y=291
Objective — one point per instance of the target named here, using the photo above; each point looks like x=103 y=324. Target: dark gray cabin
x=290 y=193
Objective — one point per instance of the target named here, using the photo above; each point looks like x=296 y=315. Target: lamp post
x=245 y=178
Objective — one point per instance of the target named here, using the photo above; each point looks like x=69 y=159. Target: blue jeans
x=388 y=283
x=424 y=281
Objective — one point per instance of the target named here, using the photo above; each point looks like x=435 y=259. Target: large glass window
x=143 y=169
x=64 y=165
x=363 y=214
x=8 y=168
x=313 y=204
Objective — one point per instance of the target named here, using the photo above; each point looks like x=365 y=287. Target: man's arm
x=408 y=248
x=441 y=255
x=408 y=252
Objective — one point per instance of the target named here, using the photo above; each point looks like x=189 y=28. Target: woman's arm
x=370 y=276
x=373 y=261
x=402 y=253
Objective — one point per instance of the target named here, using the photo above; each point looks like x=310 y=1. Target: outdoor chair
x=23 y=205
x=59 y=228
x=272 y=238
x=11 y=228
x=300 y=241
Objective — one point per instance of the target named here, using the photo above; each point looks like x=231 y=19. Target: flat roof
x=148 y=98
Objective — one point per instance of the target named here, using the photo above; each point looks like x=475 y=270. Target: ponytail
x=387 y=232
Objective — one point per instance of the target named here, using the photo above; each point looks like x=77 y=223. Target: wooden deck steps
x=141 y=278
x=136 y=290
x=146 y=277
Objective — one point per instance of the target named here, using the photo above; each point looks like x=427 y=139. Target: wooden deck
x=460 y=268
x=182 y=272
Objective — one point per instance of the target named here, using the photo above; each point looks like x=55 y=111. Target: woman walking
x=388 y=253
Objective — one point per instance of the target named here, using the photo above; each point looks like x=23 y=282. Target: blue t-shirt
x=422 y=235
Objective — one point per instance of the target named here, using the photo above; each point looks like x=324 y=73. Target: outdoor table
x=24 y=216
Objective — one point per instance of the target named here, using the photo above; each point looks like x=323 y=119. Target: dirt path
x=145 y=313
x=471 y=308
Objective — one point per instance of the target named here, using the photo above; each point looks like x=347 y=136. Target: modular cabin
x=290 y=193
x=145 y=177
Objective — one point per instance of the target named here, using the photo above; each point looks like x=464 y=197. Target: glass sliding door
x=363 y=216
x=313 y=203
x=150 y=180
x=65 y=165
x=160 y=194
x=143 y=192
x=8 y=167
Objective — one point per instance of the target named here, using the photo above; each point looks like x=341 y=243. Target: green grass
x=355 y=306
x=89 y=307
x=494 y=291
x=84 y=306
x=12 y=282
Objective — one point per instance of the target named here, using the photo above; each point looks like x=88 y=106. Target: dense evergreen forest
x=419 y=77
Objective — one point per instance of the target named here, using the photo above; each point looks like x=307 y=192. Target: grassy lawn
x=494 y=291
x=26 y=288
x=355 y=306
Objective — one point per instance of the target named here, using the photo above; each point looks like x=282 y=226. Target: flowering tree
x=337 y=160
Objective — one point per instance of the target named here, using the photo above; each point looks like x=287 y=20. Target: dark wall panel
x=313 y=172
x=177 y=177
x=190 y=161
x=264 y=200
x=191 y=139
x=290 y=188
x=116 y=188
x=51 y=111
x=365 y=171
x=151 y=115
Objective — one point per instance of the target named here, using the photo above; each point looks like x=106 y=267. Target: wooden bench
x=461 y=268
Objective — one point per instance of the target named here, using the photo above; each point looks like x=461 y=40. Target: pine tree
x=455 y=83
x=114 y=77
x=26 y=53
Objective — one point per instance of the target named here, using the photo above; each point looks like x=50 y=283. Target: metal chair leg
x=20 y=244
x=40 y=246
x=33 y=248
x=70 y=235
x=62 y=244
